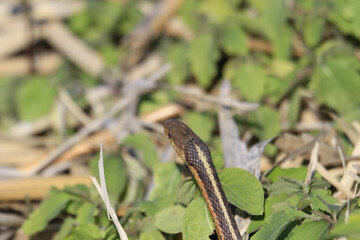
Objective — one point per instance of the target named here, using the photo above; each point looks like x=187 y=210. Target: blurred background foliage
x=318 y=37
x=292 y=57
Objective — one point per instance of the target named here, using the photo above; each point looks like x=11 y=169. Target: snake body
x=197 y=156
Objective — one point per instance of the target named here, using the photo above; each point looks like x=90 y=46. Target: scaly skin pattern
x=197 y=156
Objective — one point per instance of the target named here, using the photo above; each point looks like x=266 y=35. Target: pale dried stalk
x=346 y=185
x=240 y=106
x=313 y=162
x=73 y=108
x=328 y=177
x=61 y=38
x=105 y=197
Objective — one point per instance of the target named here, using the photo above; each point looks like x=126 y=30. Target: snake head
x=178 y=133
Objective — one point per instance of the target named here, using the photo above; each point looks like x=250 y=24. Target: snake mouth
x=174 y=131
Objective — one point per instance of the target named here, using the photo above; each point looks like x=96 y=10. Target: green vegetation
x=293 y=57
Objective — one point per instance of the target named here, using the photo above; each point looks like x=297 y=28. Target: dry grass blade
x=60 y=37
x=234 y=149
x=73 y=108
x=347 y=213
x=16 y=188
x=299 y=151
x=355 y=176
x=105 y=197
x=347 y=128
x=328 y=177
x=150 y=28
x=21 y=66
x=357 y=179
x=312 y=165
x=356 y=126
x=357 y=168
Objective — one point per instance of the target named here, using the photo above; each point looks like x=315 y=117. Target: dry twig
x=241 y=106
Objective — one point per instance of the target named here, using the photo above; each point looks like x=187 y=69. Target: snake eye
x=169 y=134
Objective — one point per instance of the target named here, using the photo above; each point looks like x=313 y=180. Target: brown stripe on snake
x=197 y=156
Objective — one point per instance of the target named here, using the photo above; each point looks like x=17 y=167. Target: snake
x=197 y=156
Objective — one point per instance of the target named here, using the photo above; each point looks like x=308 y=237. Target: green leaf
x=243 y=190
x=73 y=207
x=145 y=147
x=110 y=54
x=86 y=213
x=186 y=191
x=350 y=116
x=336 y=85
x=287 y=186
x=297 y=200
x=275 y=14
x=274 y=204
x=110 y=233
x=294 y=109
x=311 y=230
x=313 y=30
x=153 y=207
x=282 y=68
x=276 y=87
x=344 y=15
x=350 y=230
x=343 y=208
x=47 y=211
x=65 y=229
x=6 y=93
x=131 y=16
x=217 y=11
x=217 y=157
x=201 y=124
x=203 y=55
x=169 y=220
x=233 y=40
x=250 y=79
x=266 y=123
x=277 y=223
x=153 y=101
x=258 y=221
x=166 y=177
x=35 y=98
x=87 y=231
x=332 y=206
x=303 y=203
x=153 y=234
x=80 y=22
x=187 y=11
x=197 y=222
x=298 y=173
x=180 y=67
x=318 y=183
x=148 y=230
x=282 y=43
x=310 y=5
x=274 y=25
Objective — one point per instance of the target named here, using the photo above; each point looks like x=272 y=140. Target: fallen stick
x=36 y=187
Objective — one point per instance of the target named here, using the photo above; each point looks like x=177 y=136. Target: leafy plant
x=289 y=56
x=80 y=208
